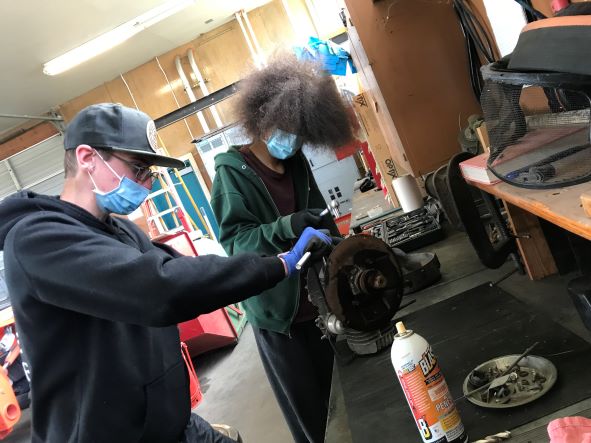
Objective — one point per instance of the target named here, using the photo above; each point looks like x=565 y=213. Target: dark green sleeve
x=240 y=229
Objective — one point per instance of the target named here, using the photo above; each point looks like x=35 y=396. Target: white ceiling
x=33 y=32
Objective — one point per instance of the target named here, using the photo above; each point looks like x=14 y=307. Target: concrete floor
x=236 y=392
x=235 y=388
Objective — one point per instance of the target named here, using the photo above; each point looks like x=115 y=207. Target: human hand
x=305 y=218
x=312 y=241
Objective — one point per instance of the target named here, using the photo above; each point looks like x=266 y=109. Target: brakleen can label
x=430 y=401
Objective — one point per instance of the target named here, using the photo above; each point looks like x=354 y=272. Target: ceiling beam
x=29 y=138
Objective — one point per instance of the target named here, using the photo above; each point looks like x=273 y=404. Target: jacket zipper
x=269 y=195
x=307 y=183
x=295 y=312
x=297 y=305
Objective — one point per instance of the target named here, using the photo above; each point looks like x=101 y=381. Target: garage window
x=39 y=168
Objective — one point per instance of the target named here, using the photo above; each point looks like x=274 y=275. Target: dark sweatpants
x=200 y=431
x=300 y=372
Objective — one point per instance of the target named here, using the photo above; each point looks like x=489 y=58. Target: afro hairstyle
x=297 y=97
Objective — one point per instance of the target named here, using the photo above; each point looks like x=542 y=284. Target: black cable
x=479 y=81
x=528 y=15
x=475 y=20
x=475 y=74
x=475 y=40
x=529 y=9
x=474 y=63
x=470 y=23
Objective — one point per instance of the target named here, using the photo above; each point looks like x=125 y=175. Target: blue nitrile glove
x=311 y=240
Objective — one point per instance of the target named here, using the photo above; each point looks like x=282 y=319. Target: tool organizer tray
x=408 y=232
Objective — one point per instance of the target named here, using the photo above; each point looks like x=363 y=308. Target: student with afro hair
x=264 y=196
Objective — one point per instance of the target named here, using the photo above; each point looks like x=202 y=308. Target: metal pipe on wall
x=173 y=95
x=189 y=91
x=253 y=37
x=253 y=53
x=13 y=176
x=202 y=86
x=312 y=12
x=33 y=117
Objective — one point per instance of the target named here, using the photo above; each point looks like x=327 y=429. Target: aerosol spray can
x=425 y=389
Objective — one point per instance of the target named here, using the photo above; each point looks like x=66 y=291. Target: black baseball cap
x=114 y=127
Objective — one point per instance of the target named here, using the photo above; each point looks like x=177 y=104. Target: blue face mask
x=283 y=145
x=124 y=199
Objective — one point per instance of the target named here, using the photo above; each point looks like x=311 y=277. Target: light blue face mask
x=283 y=145
x=124 y=199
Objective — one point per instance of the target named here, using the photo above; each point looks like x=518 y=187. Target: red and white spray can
x=425 y=389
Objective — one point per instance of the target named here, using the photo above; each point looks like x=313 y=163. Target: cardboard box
x=386 y=164
x=586 y=202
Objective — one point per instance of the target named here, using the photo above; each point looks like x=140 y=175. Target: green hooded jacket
x=250 y=221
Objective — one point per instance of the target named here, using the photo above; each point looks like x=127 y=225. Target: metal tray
x=543 y=367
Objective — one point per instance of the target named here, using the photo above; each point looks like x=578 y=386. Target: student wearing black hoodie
x=97 y=303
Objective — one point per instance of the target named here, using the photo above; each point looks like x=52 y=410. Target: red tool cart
x=208 y=331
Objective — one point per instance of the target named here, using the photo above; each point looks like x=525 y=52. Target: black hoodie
x=96 y=306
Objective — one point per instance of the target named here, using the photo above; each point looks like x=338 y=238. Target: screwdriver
x=302 y=261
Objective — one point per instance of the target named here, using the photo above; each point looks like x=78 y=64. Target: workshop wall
x=28 y=137
x=417 y=74
x=412 y=58
x=222 y=56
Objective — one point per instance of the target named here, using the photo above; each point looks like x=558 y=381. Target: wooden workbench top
x=561 y=206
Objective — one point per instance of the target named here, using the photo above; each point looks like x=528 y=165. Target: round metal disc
x=542 y=366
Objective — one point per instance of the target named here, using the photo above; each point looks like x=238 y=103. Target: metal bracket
x=525 y=236
x=32 y=117
x=195 y=107
x=13 y=176
x=59 y=122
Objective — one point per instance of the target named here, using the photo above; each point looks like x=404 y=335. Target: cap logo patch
x=152 y=136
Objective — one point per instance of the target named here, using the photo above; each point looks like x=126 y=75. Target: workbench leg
x=535 y=252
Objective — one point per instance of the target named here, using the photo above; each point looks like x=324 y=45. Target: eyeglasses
x=142 y=173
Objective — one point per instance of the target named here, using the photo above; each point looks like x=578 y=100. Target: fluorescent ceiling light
x=114 y=37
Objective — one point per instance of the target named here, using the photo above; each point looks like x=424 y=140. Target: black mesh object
x=539 y=126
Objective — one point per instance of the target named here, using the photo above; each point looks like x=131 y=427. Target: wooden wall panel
x=145 y=83
x=223 y=58
x=178 y=137
x=376 y=101
x=419 y=60
x=152 y=95
x=118 y=92
x=100 y=94
x=300 y=18
x=175 y=88
x=272 y=27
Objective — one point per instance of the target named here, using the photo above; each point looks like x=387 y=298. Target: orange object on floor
x=208 y=331
x=194 y=387
x=10 y=412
